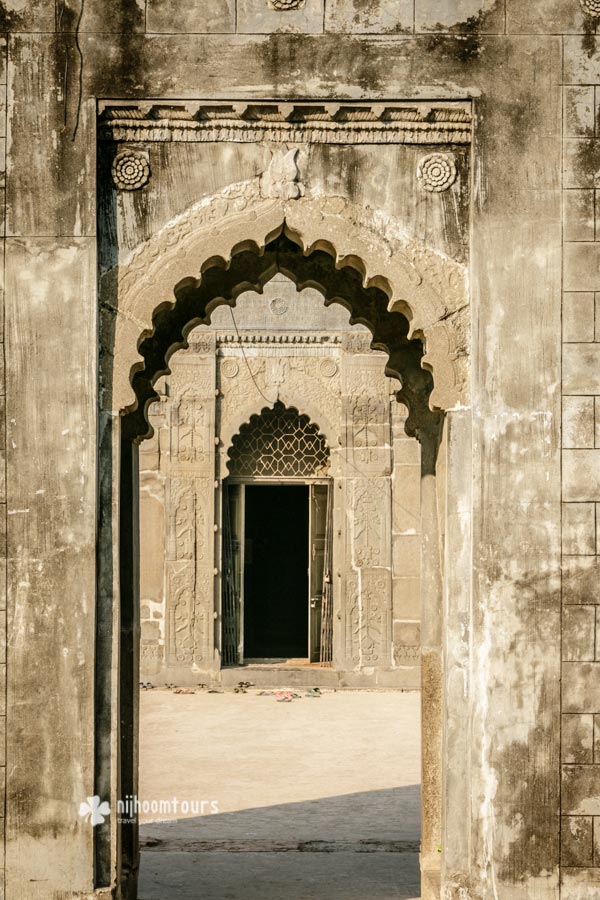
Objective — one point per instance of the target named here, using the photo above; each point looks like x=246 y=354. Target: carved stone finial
x=437 y=172
x=280 y=181
x=591 y=7
x=130 y=170
x=286 y=4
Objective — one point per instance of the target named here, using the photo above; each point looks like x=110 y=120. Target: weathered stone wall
x=580 y=824
x=503 y=637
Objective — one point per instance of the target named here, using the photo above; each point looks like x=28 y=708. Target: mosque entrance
x=276 y=602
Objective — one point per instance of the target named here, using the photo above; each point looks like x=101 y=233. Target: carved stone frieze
x=405 y=653
x=297 y=381
x=203 y=343
x=332 y=123
x=364 y=376
x=265 y=337
x=356 y=342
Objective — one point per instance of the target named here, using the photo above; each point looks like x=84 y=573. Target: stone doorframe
x=402 y=287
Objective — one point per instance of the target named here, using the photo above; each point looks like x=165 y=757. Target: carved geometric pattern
x=286 y=4
x=323 y=123
x=369 y=437
x=592 y=7
x=278 y=443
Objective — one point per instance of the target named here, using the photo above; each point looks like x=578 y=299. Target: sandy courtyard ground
x=317 y=799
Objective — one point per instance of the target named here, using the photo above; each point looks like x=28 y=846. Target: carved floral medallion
x=130 y=170
x=437 y=172
x=328 y=368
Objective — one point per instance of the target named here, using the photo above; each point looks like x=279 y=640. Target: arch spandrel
x=426 y=287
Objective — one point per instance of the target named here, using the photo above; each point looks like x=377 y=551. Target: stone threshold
x=271 y=846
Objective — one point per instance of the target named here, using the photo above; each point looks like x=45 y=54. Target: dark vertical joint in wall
x=588 y=41
x=128 y=660
x=106 y=615
x=103 y=700
x=430 y=438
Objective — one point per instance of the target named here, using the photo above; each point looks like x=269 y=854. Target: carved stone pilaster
x=366 y=415
x=190 y=561
x=190 y=506
x=368 y=582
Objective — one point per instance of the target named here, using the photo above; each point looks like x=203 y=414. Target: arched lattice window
x=278 y=443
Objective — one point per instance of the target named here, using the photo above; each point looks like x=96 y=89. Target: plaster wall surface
x=532 y=71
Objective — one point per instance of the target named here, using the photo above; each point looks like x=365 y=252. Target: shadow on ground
x=361 y=846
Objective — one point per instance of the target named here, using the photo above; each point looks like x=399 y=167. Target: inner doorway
x=277 y=550
x=276 y=564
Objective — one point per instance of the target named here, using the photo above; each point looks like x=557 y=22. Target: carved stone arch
x=426 y=287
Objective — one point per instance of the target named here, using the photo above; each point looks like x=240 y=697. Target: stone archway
x=417 y=312
x=428 y=288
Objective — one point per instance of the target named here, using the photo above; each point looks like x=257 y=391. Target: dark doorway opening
x=276 y=561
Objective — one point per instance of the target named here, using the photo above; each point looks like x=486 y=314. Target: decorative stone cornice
x=276 y=338
x=322 y=123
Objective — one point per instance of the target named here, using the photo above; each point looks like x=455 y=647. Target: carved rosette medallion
x=437 y=172
x=328 y=368
x=283 y=5
x=130 y=170
x=591 y=7
x=230 y=368
x=278 y=306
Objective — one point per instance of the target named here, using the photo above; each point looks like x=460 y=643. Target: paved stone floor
x=317 y=799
